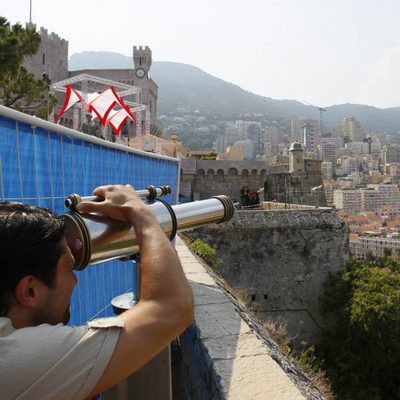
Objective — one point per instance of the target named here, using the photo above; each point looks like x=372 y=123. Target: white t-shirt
x=55 y=361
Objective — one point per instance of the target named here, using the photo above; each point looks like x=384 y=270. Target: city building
x=247 y=146
x=371 y=199
x=327 y=170
x=328 y=152
x=376 y=246
x=390 y=154
x=388 y=211
x=349 y=165
x=229 y=136
x=352 y=129
x=358 y=148
x=305 y=131
x=232 y=153
x=348 y=200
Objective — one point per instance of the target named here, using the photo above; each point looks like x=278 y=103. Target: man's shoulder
x=58 y=353
x=54 y=339
x=31 y=339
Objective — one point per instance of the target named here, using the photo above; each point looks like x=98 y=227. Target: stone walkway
x=239 y=358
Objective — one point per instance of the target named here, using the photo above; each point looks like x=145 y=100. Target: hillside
x=186 y=86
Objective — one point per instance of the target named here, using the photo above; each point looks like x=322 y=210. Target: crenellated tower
x=142 y=59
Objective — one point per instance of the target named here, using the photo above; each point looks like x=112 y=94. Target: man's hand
x=116 y=201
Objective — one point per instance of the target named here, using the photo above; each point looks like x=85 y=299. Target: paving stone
x=206 y=294
x=232 y=346
x=256 y=378
x=217 y=320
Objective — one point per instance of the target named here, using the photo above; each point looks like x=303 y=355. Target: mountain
x=99 y=60
x=189 y=87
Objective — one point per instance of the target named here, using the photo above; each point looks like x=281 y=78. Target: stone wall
x=279 y=260
x=51 y=57
x=201 y=179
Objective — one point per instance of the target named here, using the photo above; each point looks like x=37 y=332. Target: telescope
x=94 y=238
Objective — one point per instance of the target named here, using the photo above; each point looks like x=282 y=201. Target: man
x=40 y=358
x=89 y=126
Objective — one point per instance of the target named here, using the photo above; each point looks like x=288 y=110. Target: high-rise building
x=371 y=199
x=273 y=137
x=349 y=165
x=327 y=170
x=305 y=131
x=347 y=200
x=328 y=152
x=390 y=154
x=250 y=130
x=297 y=128
x=352 y=129
x=358 y=148
x=247 y=146
x=229 y=136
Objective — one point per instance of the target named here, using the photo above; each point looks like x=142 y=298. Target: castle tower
x=142 y=59
x=296 y=158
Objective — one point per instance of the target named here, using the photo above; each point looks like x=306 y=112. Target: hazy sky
x=319 y=51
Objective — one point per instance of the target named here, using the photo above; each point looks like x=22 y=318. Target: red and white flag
x=117 y=118
x=72 y=97
x=104 y=103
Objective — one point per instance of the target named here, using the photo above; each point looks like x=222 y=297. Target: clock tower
x=142 y=60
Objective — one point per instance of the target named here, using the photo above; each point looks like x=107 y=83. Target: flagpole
x=30 y=11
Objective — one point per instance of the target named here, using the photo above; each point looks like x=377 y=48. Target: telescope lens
x=77 y=240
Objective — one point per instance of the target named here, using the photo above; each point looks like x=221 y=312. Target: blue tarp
x=43 y=165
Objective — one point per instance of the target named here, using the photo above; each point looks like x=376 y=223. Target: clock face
x=140 y=73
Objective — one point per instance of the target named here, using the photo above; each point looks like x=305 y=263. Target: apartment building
x=362 y=245
x=348 y=200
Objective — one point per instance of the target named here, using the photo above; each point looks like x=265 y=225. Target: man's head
x=36 y=275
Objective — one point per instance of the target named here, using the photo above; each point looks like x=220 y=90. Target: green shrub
x=207 y=253
x=361 y=352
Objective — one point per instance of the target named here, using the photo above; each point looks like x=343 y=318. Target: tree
x=361 y=352
x=19 y=89
x=210 y=156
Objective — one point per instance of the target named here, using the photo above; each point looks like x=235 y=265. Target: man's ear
x=28 y=292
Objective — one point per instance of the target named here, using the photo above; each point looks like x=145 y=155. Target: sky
x=320 y=52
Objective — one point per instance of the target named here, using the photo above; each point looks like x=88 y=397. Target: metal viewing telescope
x=94 y=238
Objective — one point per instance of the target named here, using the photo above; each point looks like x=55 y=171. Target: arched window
x=245 y=172
x=232 y=171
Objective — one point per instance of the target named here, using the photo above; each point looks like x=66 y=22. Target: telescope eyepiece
x=72 y=201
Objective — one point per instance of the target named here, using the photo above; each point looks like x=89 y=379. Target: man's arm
x=165 y=308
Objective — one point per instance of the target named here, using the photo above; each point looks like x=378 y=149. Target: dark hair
x=29 y=245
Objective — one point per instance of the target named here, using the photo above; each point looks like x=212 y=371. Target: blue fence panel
x=42 y=163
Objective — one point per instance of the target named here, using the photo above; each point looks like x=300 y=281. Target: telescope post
x=153 y=381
